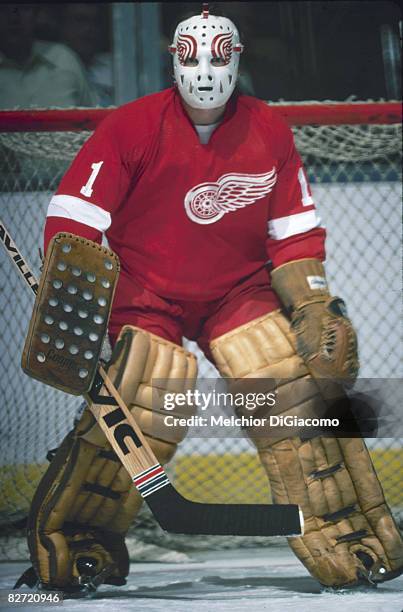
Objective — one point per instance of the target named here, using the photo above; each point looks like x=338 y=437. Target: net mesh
x=355 y=175
x=341 y=143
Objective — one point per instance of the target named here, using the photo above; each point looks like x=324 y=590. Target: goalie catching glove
x=325 y=337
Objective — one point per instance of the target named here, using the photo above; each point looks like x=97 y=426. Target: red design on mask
x=186 y=47
x=221 y=47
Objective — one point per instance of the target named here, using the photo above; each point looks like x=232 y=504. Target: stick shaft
x=120 y=427
x=17 y=259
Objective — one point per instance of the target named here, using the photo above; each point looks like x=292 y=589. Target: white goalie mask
x=206 y=53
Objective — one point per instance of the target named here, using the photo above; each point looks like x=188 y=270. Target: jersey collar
x=229 y=112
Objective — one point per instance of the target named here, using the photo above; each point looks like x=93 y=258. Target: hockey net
x=352 y=153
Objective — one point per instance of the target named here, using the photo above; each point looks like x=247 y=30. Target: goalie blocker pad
x=71 y=313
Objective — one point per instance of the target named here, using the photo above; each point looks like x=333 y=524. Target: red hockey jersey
x=190 y=220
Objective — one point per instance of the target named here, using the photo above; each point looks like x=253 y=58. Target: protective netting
x=348 y=143
x=355 y=174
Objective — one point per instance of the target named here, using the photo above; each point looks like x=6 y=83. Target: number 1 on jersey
x=306 y=196
x=87 y=188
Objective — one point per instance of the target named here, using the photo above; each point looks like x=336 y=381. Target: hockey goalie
x=196 y=188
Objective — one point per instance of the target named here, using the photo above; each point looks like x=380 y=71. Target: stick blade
x=177 y=514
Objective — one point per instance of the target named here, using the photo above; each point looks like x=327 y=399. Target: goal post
x=352 y=155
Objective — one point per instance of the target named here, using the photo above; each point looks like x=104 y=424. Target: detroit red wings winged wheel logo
x=209 y=202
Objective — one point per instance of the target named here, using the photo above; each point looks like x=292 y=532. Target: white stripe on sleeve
x=79 y=210
x=293 y=224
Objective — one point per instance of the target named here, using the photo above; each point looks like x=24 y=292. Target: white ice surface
x=267 y=580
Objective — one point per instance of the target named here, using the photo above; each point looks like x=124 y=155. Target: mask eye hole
x=190 y=62
x=218 y=61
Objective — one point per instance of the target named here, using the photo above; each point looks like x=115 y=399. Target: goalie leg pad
x=86 y=501
x=57 y=529
x=350 y=535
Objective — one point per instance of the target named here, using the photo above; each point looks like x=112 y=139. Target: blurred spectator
x=84 y=28
x=37 y=73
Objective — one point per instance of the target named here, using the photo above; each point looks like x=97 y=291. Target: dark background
x=294 y=50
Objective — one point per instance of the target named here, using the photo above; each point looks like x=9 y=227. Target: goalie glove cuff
x=325 y=338
x=300 y=282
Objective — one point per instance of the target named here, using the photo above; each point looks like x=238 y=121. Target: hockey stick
x=173 y=512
